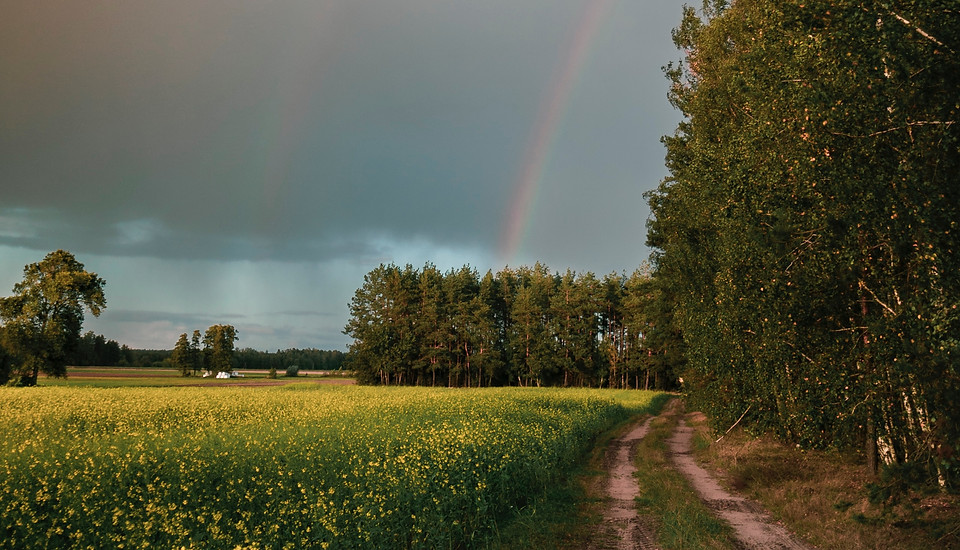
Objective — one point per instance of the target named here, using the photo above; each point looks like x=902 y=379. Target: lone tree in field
x=43 y=318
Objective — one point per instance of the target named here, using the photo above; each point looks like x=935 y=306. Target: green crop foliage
x=297 y=467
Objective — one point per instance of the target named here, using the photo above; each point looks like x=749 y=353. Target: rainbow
x=547 y=127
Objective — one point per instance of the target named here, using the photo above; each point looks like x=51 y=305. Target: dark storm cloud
x=165 y=238
x=283 y=130
x=260 y=157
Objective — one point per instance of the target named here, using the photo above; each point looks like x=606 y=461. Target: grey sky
x=247 y=162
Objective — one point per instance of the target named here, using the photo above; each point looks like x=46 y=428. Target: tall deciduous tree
x=489 y=318
x=461 y=290
x=531 y=347
x=218 y=347
x=430 y=326
x=382 y=326
x=43 y=318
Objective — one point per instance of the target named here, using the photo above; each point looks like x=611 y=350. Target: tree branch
x=864 y=286
x=898 y=128
x=735 y=423
x=920 y=31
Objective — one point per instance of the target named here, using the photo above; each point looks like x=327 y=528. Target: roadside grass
x=822 y=496
x=556 y=520
x=640 y=402
x=571 y=511
x=678 y=516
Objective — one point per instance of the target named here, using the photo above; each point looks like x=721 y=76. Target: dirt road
x=624 y=529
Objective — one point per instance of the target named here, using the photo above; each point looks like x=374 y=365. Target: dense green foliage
x=6 y=359
x=307 y=467
x=95 y=350
x=307 y=359
x=218 y=348
x=130 y=357
x=518 y=327
x=43 y=318
x=808 y=229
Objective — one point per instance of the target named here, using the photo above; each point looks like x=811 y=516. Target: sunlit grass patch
x=823 y=497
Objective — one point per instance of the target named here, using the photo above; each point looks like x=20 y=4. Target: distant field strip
x=294 y=467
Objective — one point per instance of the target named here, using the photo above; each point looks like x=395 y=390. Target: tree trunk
x=466 y=358
x=33 y=376
x=870 y=449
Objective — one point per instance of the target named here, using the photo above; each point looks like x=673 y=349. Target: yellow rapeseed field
x=294 y=467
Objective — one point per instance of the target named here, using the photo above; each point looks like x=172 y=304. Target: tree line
x=281 y=360
x=214 y=352
x=807 y=232
x=96 y=350
x=523 y=326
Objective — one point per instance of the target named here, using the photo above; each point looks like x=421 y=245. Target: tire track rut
x=753 y=527
x=624 y=528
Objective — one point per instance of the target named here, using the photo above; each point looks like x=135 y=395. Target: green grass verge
x=551 y=521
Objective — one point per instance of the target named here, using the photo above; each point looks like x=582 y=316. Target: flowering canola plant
x=295 y=467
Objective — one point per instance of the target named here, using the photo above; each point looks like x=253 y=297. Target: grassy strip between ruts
x=823 y=496
x=680 y=519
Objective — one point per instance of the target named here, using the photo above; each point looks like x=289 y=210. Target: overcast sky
x=247 y=162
